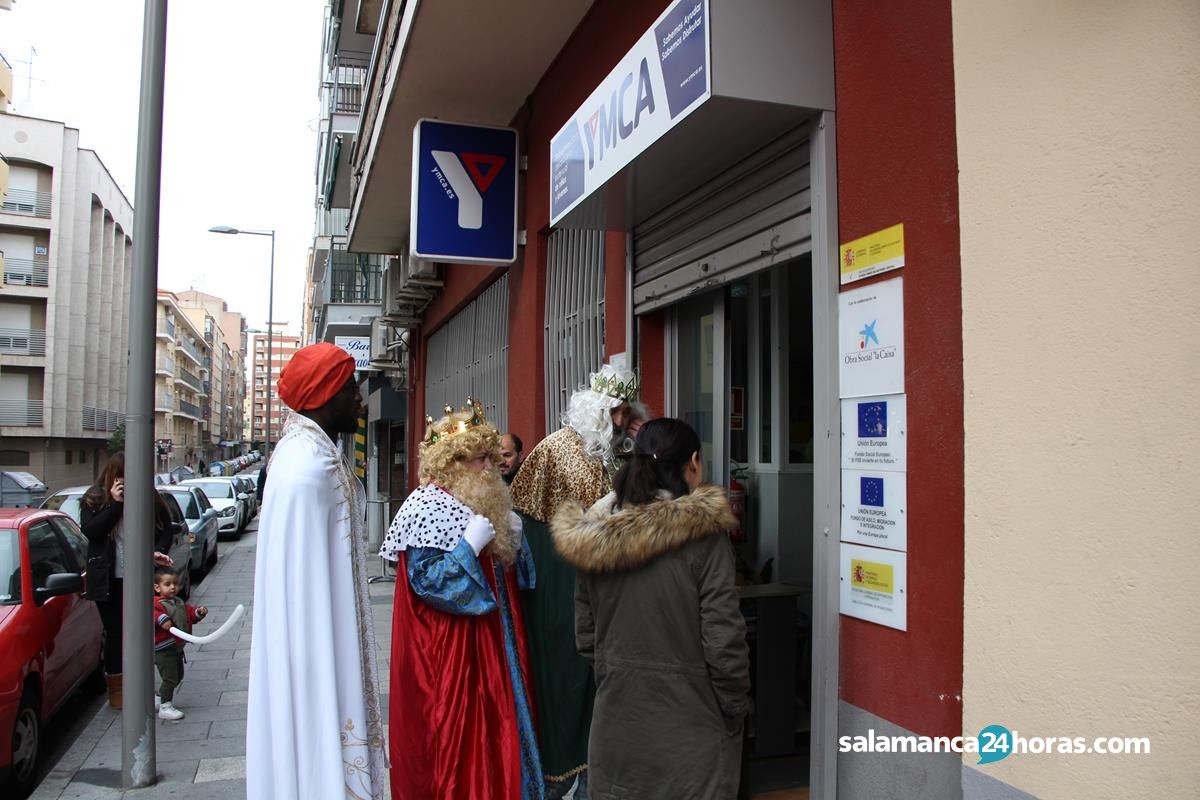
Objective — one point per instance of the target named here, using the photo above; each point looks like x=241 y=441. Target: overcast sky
x=238 y=133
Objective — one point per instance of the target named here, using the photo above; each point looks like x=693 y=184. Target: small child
x=170 y=611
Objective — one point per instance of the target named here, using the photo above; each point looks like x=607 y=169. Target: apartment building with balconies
x=224 y=371
x=282 y=348
x=181 y=394
x=66 y=253
x=345 y=288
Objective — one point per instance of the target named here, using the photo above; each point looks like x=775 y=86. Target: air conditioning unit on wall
x=410 y=286
x=389 y=345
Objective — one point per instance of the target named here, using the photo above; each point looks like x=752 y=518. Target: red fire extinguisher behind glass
x=737 y=502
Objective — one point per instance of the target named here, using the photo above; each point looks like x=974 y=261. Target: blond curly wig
x=438 y=458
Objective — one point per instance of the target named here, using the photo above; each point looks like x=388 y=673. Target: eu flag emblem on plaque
x=871 y=492
x=872 y=420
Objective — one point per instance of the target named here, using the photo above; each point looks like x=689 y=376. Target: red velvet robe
x=451 y=711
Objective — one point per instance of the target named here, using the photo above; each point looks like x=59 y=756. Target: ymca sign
x=464 y=193
x=659 y=82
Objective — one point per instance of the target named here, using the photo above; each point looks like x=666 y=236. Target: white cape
x=314 y=727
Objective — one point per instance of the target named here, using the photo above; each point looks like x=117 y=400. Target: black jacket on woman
x=98 y=526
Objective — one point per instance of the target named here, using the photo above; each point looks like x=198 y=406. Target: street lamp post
x=270 y=318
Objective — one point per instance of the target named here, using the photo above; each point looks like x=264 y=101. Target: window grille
x=468 y=357
x=574 y=316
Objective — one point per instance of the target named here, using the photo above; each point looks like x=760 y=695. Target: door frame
x=826 y=635
x=827 y=437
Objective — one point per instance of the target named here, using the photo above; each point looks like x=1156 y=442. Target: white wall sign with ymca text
x=875 y=508
x=662 y=79
x=874 y=585
x=871 y=339
x=875 y=433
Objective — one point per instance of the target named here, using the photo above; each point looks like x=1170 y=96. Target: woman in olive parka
x=657 y=614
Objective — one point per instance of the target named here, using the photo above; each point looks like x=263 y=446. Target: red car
x=50 y=637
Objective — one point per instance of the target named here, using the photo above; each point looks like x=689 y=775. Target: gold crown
x=613 y=385
x=463 y=423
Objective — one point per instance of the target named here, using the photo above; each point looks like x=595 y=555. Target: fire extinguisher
x=737 y=502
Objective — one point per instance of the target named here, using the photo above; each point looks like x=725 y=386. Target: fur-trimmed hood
x=607 y=539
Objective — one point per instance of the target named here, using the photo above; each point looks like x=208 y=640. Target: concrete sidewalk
x=203 y=755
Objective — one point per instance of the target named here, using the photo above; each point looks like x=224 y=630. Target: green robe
x=563 y=684
x=555 y=471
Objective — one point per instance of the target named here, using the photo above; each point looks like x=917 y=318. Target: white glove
x=479 y=533
x=514 y=522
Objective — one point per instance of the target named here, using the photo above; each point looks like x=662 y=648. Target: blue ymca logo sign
x=464 y=193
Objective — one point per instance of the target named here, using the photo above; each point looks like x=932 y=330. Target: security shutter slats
x=468 y=357
x=754 y=214
x=574 y=327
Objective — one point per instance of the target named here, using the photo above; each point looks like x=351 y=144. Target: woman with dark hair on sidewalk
x=101 y=518
x=657 y=614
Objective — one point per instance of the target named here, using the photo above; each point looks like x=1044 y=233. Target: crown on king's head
x=615 y=383
x=455 y=422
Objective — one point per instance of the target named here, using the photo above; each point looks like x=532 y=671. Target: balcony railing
x=22 y=342
x=190 y=378
x=345 y=83
x=189 y=347
x=26 y=272
x=165 y=365
x=21 y=413
x=190 y=409
x=164 y=401
x=99 y=419
x=333 y=221
x=166 y=327
x=355 y=278
x=27 y=203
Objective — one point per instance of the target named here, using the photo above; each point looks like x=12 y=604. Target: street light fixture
x=270 y=314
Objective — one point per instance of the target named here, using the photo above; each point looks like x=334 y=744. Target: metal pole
x=270 y=358
x=138 y=764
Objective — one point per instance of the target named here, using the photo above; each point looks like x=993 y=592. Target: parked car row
x=233 y=465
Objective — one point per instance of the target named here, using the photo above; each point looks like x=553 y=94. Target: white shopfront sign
x=871 y=339
x=662 y=79
x=874 y=585
x=875 y=433
x=875 y=508
x=359 y=348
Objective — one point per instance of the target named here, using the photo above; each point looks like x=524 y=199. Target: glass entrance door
x=741 y=359
x=700 y=355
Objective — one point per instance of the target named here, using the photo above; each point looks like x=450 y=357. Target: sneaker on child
x=169 y=711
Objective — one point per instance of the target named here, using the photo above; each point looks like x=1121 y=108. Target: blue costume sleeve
x=450 y=581
x=526 y=572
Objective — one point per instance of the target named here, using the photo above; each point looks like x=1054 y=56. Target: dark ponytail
x=661 y=451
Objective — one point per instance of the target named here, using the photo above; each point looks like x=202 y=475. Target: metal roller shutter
x=753 y=215
x=468 y=357
x=574 y=316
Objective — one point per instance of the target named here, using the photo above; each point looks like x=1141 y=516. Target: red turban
x=314 y=375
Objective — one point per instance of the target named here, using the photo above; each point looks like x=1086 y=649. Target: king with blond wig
x=458 y=647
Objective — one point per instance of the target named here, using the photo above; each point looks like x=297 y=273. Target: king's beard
x=486 y=494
